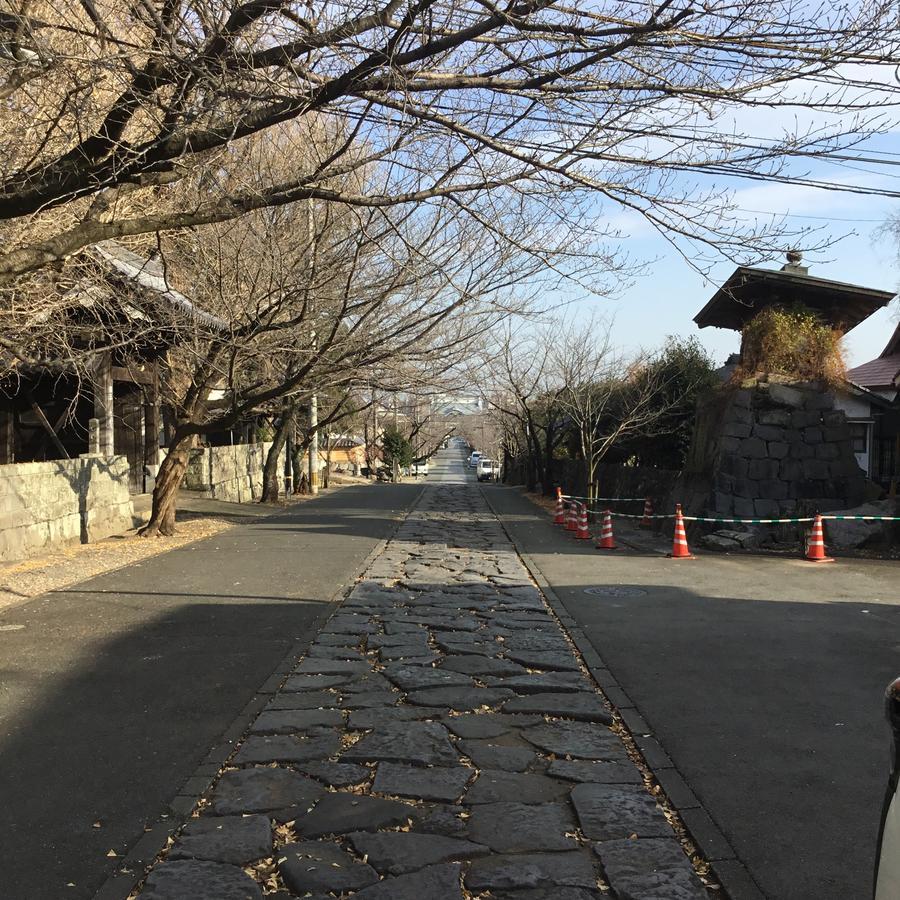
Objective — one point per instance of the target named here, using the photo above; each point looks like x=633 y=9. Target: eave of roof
x=882 y=372
x=740 y=297
x=150 y=277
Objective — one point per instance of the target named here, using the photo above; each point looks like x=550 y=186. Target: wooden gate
x=128 y=410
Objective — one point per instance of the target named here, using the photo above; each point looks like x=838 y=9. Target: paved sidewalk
x=439 y=741
x=761 y=677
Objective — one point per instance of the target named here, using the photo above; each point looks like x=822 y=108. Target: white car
x=473 y=459
x=419 y=467
x=487 y=469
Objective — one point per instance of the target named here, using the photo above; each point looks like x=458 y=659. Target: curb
x=132 y=867
x=729 y=871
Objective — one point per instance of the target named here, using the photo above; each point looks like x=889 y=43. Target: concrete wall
x=229 y=473
x=45 y=505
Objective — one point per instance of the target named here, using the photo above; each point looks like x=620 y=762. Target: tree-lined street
x=764 y=701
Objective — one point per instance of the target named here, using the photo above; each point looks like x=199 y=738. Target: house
x=77 y=442
x=872 y=405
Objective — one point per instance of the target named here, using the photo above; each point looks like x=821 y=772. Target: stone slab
x=494 y=786
x=487 y=755
x=649 y=869
x=419 y=743
x=336 y=774
x=523 y=828
x=461 y=699
x=314 y=682
x=577 y=739
x=612 y=811
x=237 y=840
x=431 y=783
x=399 y=852
x=599 y=772
x=433 y=883
x=341 y=813
x=287 y=748
x=482 y=665
x=583 y=706
x=263 y=790
x=199 y=880
x=543 y=682
x=365 y=719
x=534 y=870
x=414 y=678
x=309 y=867
x=292 y=720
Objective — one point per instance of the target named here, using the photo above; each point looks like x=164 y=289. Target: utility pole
x=314 y=444
x=395 y=474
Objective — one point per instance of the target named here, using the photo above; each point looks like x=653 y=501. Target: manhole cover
x=615 y=591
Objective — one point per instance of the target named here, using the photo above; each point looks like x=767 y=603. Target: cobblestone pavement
x=439 y=741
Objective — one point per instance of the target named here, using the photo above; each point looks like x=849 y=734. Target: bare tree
x=608 y=397
x=121 y=116
x=528 y=398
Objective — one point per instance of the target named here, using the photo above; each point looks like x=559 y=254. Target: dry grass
x=27 y=578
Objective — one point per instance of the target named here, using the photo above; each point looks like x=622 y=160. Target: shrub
x=792 y=341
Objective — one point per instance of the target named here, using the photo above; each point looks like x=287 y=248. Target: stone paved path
x=439 y=741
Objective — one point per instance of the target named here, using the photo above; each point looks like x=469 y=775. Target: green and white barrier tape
x=605 y=499
x=731 y=521
x=747 y=521
x=862 y=518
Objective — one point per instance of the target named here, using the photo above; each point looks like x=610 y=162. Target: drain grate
x=615 y=591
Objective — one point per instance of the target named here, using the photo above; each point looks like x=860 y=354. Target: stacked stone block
x=783 y=450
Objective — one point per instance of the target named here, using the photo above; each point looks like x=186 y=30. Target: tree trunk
x=165 y=492
x=550 y=434
x=271 y=474
x=327 y=461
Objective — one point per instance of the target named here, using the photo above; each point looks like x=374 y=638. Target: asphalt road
x=113 y=691
x=762 y=678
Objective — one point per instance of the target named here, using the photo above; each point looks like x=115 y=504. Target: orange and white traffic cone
x=679 y=543
x=571 y=515
x=648 y=511
x=815 y=546
x=560 y=517
x=606 y=541
x=583 y=534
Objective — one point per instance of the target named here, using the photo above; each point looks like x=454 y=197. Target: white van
x=473 y=459
x=487 y=470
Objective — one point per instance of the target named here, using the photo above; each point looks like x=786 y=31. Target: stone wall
x=232 y=473
x=45 y=505
x=772 y=450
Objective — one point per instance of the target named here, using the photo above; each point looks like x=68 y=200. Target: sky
x=665 y=298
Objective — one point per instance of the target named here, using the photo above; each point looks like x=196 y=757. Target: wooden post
x=151 y=424
x=103 y=403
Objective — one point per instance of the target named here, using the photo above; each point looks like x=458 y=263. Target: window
x=859 y=437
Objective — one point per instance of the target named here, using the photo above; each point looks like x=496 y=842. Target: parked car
x=887 y=857
x=487 y=469
x=419 y=467
x=473 y=459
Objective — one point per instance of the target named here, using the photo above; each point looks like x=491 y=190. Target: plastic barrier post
x=679 y=542
x=560 y=517
x=606 y=541
x=648 y=511
x=583 y=534
x=815 y=548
